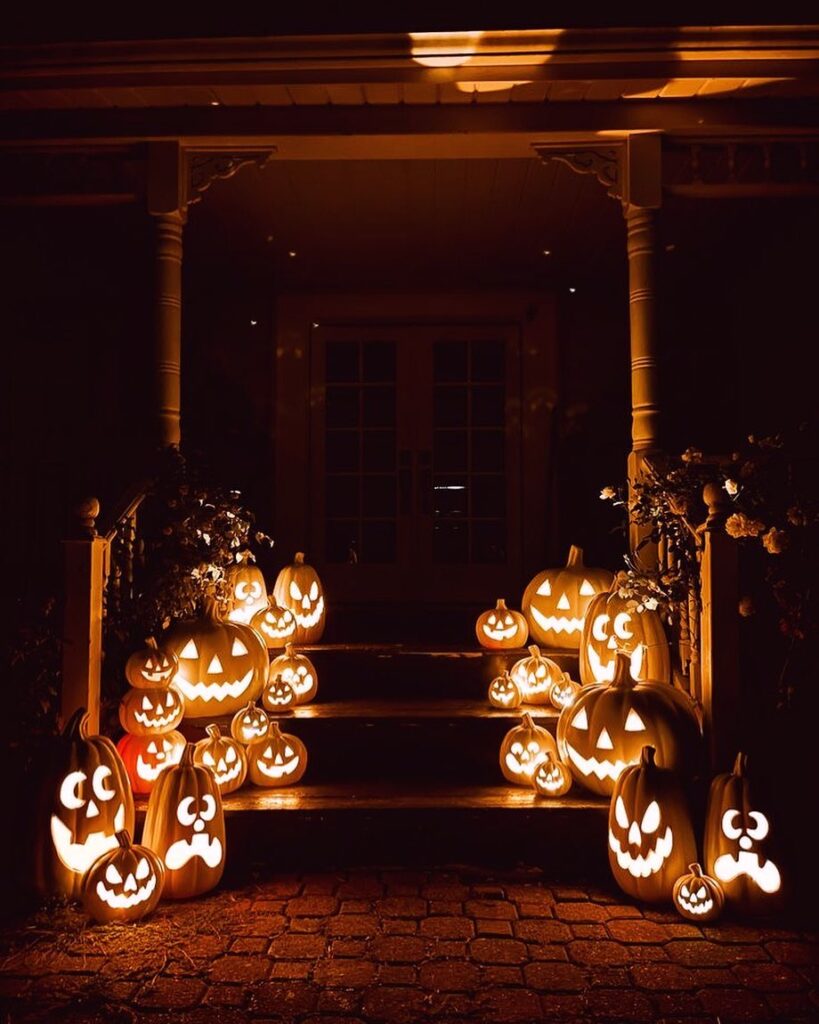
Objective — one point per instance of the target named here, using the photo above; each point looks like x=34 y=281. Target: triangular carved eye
x=146 y=704
x=189 y=650
x=634 y=723
x=238 y=648
x=620 y=813
x=545 y=589
x=143 y=869
x=651 y=819
x=586 y=589
x=581 y=719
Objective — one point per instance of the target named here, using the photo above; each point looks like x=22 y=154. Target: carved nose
x=563 y=603
x=93 y=810
x=221 y=766
x=634 y=835
x=305 y=602
x=612 y=644
x=215 y=666
x=130 y=884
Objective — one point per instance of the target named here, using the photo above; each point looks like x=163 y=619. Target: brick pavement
x=384 y=946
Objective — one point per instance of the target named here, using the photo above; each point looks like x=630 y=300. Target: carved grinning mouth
x=642 y=866
x=601 y=769
x=279 y=768
x=150 y=772
x=80 y=856
x=279 y=633
x=229 y=775
x=696 y=908
x=556 y=623
x=156 y=723
x=522 y=767
x=766 y=875
x=254 y=731
x=605 y=673
x=504 y=698
x=501 y=633
x=308 y=619
x=209 y=848
x=213 y=691
x=123 y=901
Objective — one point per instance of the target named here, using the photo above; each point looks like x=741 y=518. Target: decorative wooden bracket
x=205 y=168
x=604 y=164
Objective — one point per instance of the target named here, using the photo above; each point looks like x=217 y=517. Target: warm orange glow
x=489 y=86
x=443 y=50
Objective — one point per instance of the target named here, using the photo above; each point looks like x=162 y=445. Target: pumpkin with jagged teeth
x=535 y=675
x=556 y=600
x=563 y=692
x=551 y=777
x=123 y=885
x=145 y=757
x=299 y=588
x=277 y=760
x=697 y=896
x=275 y=625
x=151 y=667
x=501 y=628
x=224 y=756
x=249 y=723
x=503 y=693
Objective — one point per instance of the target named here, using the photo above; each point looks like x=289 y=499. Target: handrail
x=129 y=504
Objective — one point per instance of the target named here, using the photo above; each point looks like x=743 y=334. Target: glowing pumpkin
x=503 y=693
x=501 y=627
x=248 y=591
x=276 y=625
x=277 y=760
x=556 y=600
x=147 y=712
x=297 y=670
x=551 y=777
x=249 y=723
x=534 y=676
x=279 y=696
x=651 y=838
x=150 y=667
x=698 y=897
x=522 y=750
x=145 y=757
x=123 y=885
x=299 y=589
x=613 y=624
x=224 y=756
x=563 y=692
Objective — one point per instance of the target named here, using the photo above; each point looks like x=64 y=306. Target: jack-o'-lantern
x=297 y=670
x=247 y=590
x=224 y=756
x=556 y=600
x=651 y=838
x=145 y=757
x=279 y=695
x=275 y=625
x=222 y=665
x=501 y=627
x=522 y=750
x=563 y=692
x=123 y=885
x=146 y=712
x=299 y=589
x=697 y=896
x=249 y=723
x=151 y=667
x=534 y=676
x=277 y=760
x=185 y=825
x=551 y=777
x=613 y=624
x=87 y=800
x=608 y=725
x=503 y=693
x=738 y=843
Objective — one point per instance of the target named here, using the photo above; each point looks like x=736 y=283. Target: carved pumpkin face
x=145 y=712
x=279 y=695
x=563 y=692
x=556 y=600
x=613 y=624
x=185 y=825
x=651 y=838
x=500 y=628
x=151 y=667
x=503 y=693
x=248 y=591
x=277 y=760
x=698 y=897
x=522 y=750
x=276 y=625
x=551 y=778
x=222 y=665
x=145 y=757
x=125 y=884
x=88 y=800
x=738 y=843
x=249 y=723
x=224 y=756
x=607 y=727
x=534 y=676
x=299 y=589
x=298 y=671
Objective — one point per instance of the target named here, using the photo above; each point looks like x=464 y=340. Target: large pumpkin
x=608 y=725
x=613 y=624
x=534 y=676
x=185 y=825
x=224 y=756
x=87 y=800
x=651 y=838
x=249 y=723
x=556 y=600
x=522 y=750
x=145 y=757
x=247 y=591
x=146 y=712
x=698 y=897
x=222 y=665
x=738 y=843
x=298 y=588
x=277 y=760
x=151 y=667
x=297 y=670
x=501 y=627
x=276 y=625
x=123 y=885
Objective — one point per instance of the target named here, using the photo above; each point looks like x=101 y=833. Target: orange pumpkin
x=697 y=896
x=503 y=693
x=556 y=600
x=613 y=624
x=151 y=667
x=298 y=588
x=534 y=676
x=224 y=756
x=551 y=777
x=249 y=723
x=501 y=627
x=297 y=670
x=277 y=760
x=145 y=757
x=147 y=712
x=247 y=589
x=123 y=885
x=275 y=625
x=522 y=750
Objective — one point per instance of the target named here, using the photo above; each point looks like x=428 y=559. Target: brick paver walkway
x=405 y=946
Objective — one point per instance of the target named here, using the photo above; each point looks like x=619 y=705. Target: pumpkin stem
x=150 y=641
x=288 y=650
x=274 y=727
x=526 y=718
x=77 y=725
x=534 y=650
x=695 y=870
x=213 y=731
x=575 y=559
x=647 y=758
x=622 y=669
x=299 y=559
x=740 y=765
x=500 y=604
x=186 y=761
x=124 y=839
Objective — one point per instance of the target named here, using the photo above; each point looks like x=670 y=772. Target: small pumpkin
x=563 y=692
x=279 y=696
x=522 y=750
x=552 y=778
x=297 y=670
x=651 y=838
x=275 y=625
x=151 y=667
x=123 y=885
x=150 y=712
x=249 y=723
x=145 y=757
x=299 y=588
x=224 y=756
x=501 y=627
x=185 y=825
x=503 y=693
x=556 y=600
x=247 y=590
x=697 y=896
x=534 y=676
x=277 y=760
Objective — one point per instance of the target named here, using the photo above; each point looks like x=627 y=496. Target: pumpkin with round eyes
x=651 y=838
x=535 y=675
x=151 y=667
x=501 y=627
x=739 y=843
x=185 y=825
x=556 y=600
x=275 y=625
x=224 y=756
x=123 y=885
x=613 y=624
x=145 y=757
x=247 y=590
x=503 y=693
x=608 y=725
x=279 y=695
x=222 y=665
x=297 y=670
x=249 y=723
x=277 y=760
x=552 y=778
x=86 y=801
x=298 y=588
x=151 y=712
x=698 y=897
x=563 y=692
x=522 y=750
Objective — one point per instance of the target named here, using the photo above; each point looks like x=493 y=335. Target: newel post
x=719 y=632
x=86 y=557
